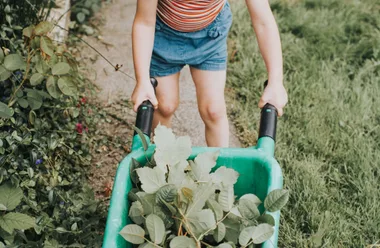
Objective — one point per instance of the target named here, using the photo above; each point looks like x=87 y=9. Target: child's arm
x=142 y=45
x=269 y=42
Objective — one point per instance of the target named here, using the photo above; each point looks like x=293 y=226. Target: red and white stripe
x=189 y=15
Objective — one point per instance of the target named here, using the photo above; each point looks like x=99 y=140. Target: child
x=194 y=33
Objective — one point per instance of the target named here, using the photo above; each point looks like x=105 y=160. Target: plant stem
x=247 y=244
x=147 y=240
x=180 y=229
x=188 y=228
x=217 y=223
x=208 y=245
x=25 y=76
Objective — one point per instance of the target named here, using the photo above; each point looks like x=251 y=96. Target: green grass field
x=328 y=142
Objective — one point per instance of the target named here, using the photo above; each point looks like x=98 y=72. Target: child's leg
x=167 y=93
x=212 y=106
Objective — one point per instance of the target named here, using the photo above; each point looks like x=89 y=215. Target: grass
x=328 y=141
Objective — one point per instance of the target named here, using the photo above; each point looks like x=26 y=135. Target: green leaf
x=166 y=193
x=46 y=45
x=225 y=176
x=246 y=235
x=74 y=227
x=201 y=221
x=61 y=68
x=14 y=62
x=2 y=207
x=276 y=199
x=156 y=228
x=262 y=233
x=32 y=117
x=36 y=79
x=201 y=194
x=149 y=245
x=266 y=218
x=67 y=86
x=169 y=207
x=142 y=137
x=252 y=198
x=134 y=165
x=203 y=163
x=4 y=73
x=147 y=201
x=52 y=88
x=151 y=179
x=7 y=9
x=28 y=31
x=23 y=102
x=216 y=208
x=43 y=28
x=53 y=60
x=235 y=214
x=30 y=172
x=225 y=245
x=177 y=174
x=219 y=232
x=81 y=17
x=1 y=56
x=42 y=67
x=5 y=111
x=232 y=230
x=226 y=198
x=34 y=100
x=169 y=149
x=18 y=221
x=248 y=208
x=51 y=244
x=136 y=213
x=182 y=242
x=165 y=216
x=133 y=234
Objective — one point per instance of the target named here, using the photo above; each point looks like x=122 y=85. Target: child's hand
x=275 y=94
x=143 y=91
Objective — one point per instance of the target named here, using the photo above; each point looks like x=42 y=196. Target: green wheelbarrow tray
x=259 y=172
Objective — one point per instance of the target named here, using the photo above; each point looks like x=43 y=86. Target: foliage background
x=329 y=138
x=45 y=135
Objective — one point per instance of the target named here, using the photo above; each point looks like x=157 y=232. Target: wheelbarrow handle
x=268 y=121
x=145 y=112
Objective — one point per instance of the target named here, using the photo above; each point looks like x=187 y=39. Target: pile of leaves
x=182 y=203
x=44 y=145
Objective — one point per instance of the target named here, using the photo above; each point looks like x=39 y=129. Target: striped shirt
x=189 y=15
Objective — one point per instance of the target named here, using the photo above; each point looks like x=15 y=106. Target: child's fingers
x=136 y=106
x=280 y=111
x=262 y=103
x=154 y=102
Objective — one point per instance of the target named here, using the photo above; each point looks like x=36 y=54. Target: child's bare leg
x=167 y=93
x=212 y=106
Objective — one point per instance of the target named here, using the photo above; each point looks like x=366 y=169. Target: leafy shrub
x=23 y=13
x=44 y=145
x=183 y=204
x=82 y=10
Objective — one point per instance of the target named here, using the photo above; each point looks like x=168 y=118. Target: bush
x=44 y=144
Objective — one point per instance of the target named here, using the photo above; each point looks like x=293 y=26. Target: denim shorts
x=205 y=49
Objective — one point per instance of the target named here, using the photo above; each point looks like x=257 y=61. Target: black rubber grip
x=145 y=112
x=268 y=121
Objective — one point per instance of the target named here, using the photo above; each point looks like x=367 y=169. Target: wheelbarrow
x=259 y=172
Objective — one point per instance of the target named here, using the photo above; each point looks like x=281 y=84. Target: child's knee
x=213 y=112
x=167 y=109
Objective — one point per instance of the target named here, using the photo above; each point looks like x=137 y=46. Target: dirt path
x=115 y=44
